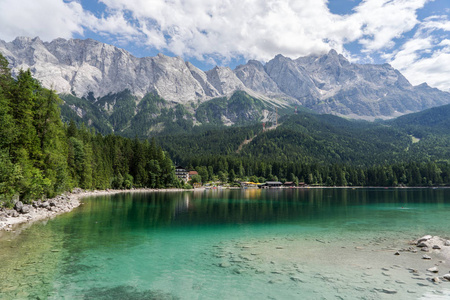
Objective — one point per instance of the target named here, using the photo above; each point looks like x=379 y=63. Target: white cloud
x=50 y=19
x=434 y=70
x=382 y=21
x=426 y=56
x=45 y=18
x=260 y=29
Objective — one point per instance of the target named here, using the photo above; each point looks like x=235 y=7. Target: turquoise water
x=231 y=244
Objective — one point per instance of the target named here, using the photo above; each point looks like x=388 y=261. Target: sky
x=411 y=35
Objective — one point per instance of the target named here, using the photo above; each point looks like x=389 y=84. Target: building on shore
x=182 y=174
x=272 y=184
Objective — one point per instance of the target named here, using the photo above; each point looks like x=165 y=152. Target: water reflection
x=156 y=210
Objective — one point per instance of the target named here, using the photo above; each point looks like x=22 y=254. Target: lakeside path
x=41 y=210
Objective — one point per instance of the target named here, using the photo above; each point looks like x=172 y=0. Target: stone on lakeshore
x=25 y=209
x=422 y=244
x=446 y=277
x=424 y=239
x=436 y=247
x=435 y=279
x=397 y=253
x=52 y=203
x=18 y=206
x=45 y=204
x=425 y=249
x=426 y=257
x=447 y=243
x=274 y=281
x=433 y=269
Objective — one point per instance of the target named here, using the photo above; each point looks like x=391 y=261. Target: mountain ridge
x=326 y=83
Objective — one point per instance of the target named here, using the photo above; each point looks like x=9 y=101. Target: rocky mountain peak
x=224 y=80
x=325 y=83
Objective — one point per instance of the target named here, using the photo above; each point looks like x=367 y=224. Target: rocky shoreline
x=49 y=208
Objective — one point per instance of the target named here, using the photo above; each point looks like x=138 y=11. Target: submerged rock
x=296 y=279
x=433 y=269
x=386 y=291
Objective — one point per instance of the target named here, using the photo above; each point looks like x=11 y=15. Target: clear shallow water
x=231 y=244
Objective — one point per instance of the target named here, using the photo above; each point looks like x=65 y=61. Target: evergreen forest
x=40 y=156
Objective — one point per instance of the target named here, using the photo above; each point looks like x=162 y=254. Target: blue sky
x=411 y=35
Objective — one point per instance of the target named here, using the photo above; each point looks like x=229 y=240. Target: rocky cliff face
x=327 y=83
x=331 y=84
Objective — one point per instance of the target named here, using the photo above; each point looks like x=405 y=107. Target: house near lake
x=182 y=173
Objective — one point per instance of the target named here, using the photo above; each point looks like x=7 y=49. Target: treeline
x=230 y=168
x=41 y=156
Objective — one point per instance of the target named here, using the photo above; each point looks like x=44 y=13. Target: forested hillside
x=320 y=149
x=40 y=156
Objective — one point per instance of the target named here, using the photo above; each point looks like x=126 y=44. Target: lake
x=232 y=244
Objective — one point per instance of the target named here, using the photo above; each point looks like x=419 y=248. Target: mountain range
x=328 y=83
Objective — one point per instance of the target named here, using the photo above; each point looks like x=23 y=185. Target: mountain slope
x=123 y=114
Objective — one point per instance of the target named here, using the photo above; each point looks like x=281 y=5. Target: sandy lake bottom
x=237 y=244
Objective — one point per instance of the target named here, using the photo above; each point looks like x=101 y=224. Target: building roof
x=193 y=173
